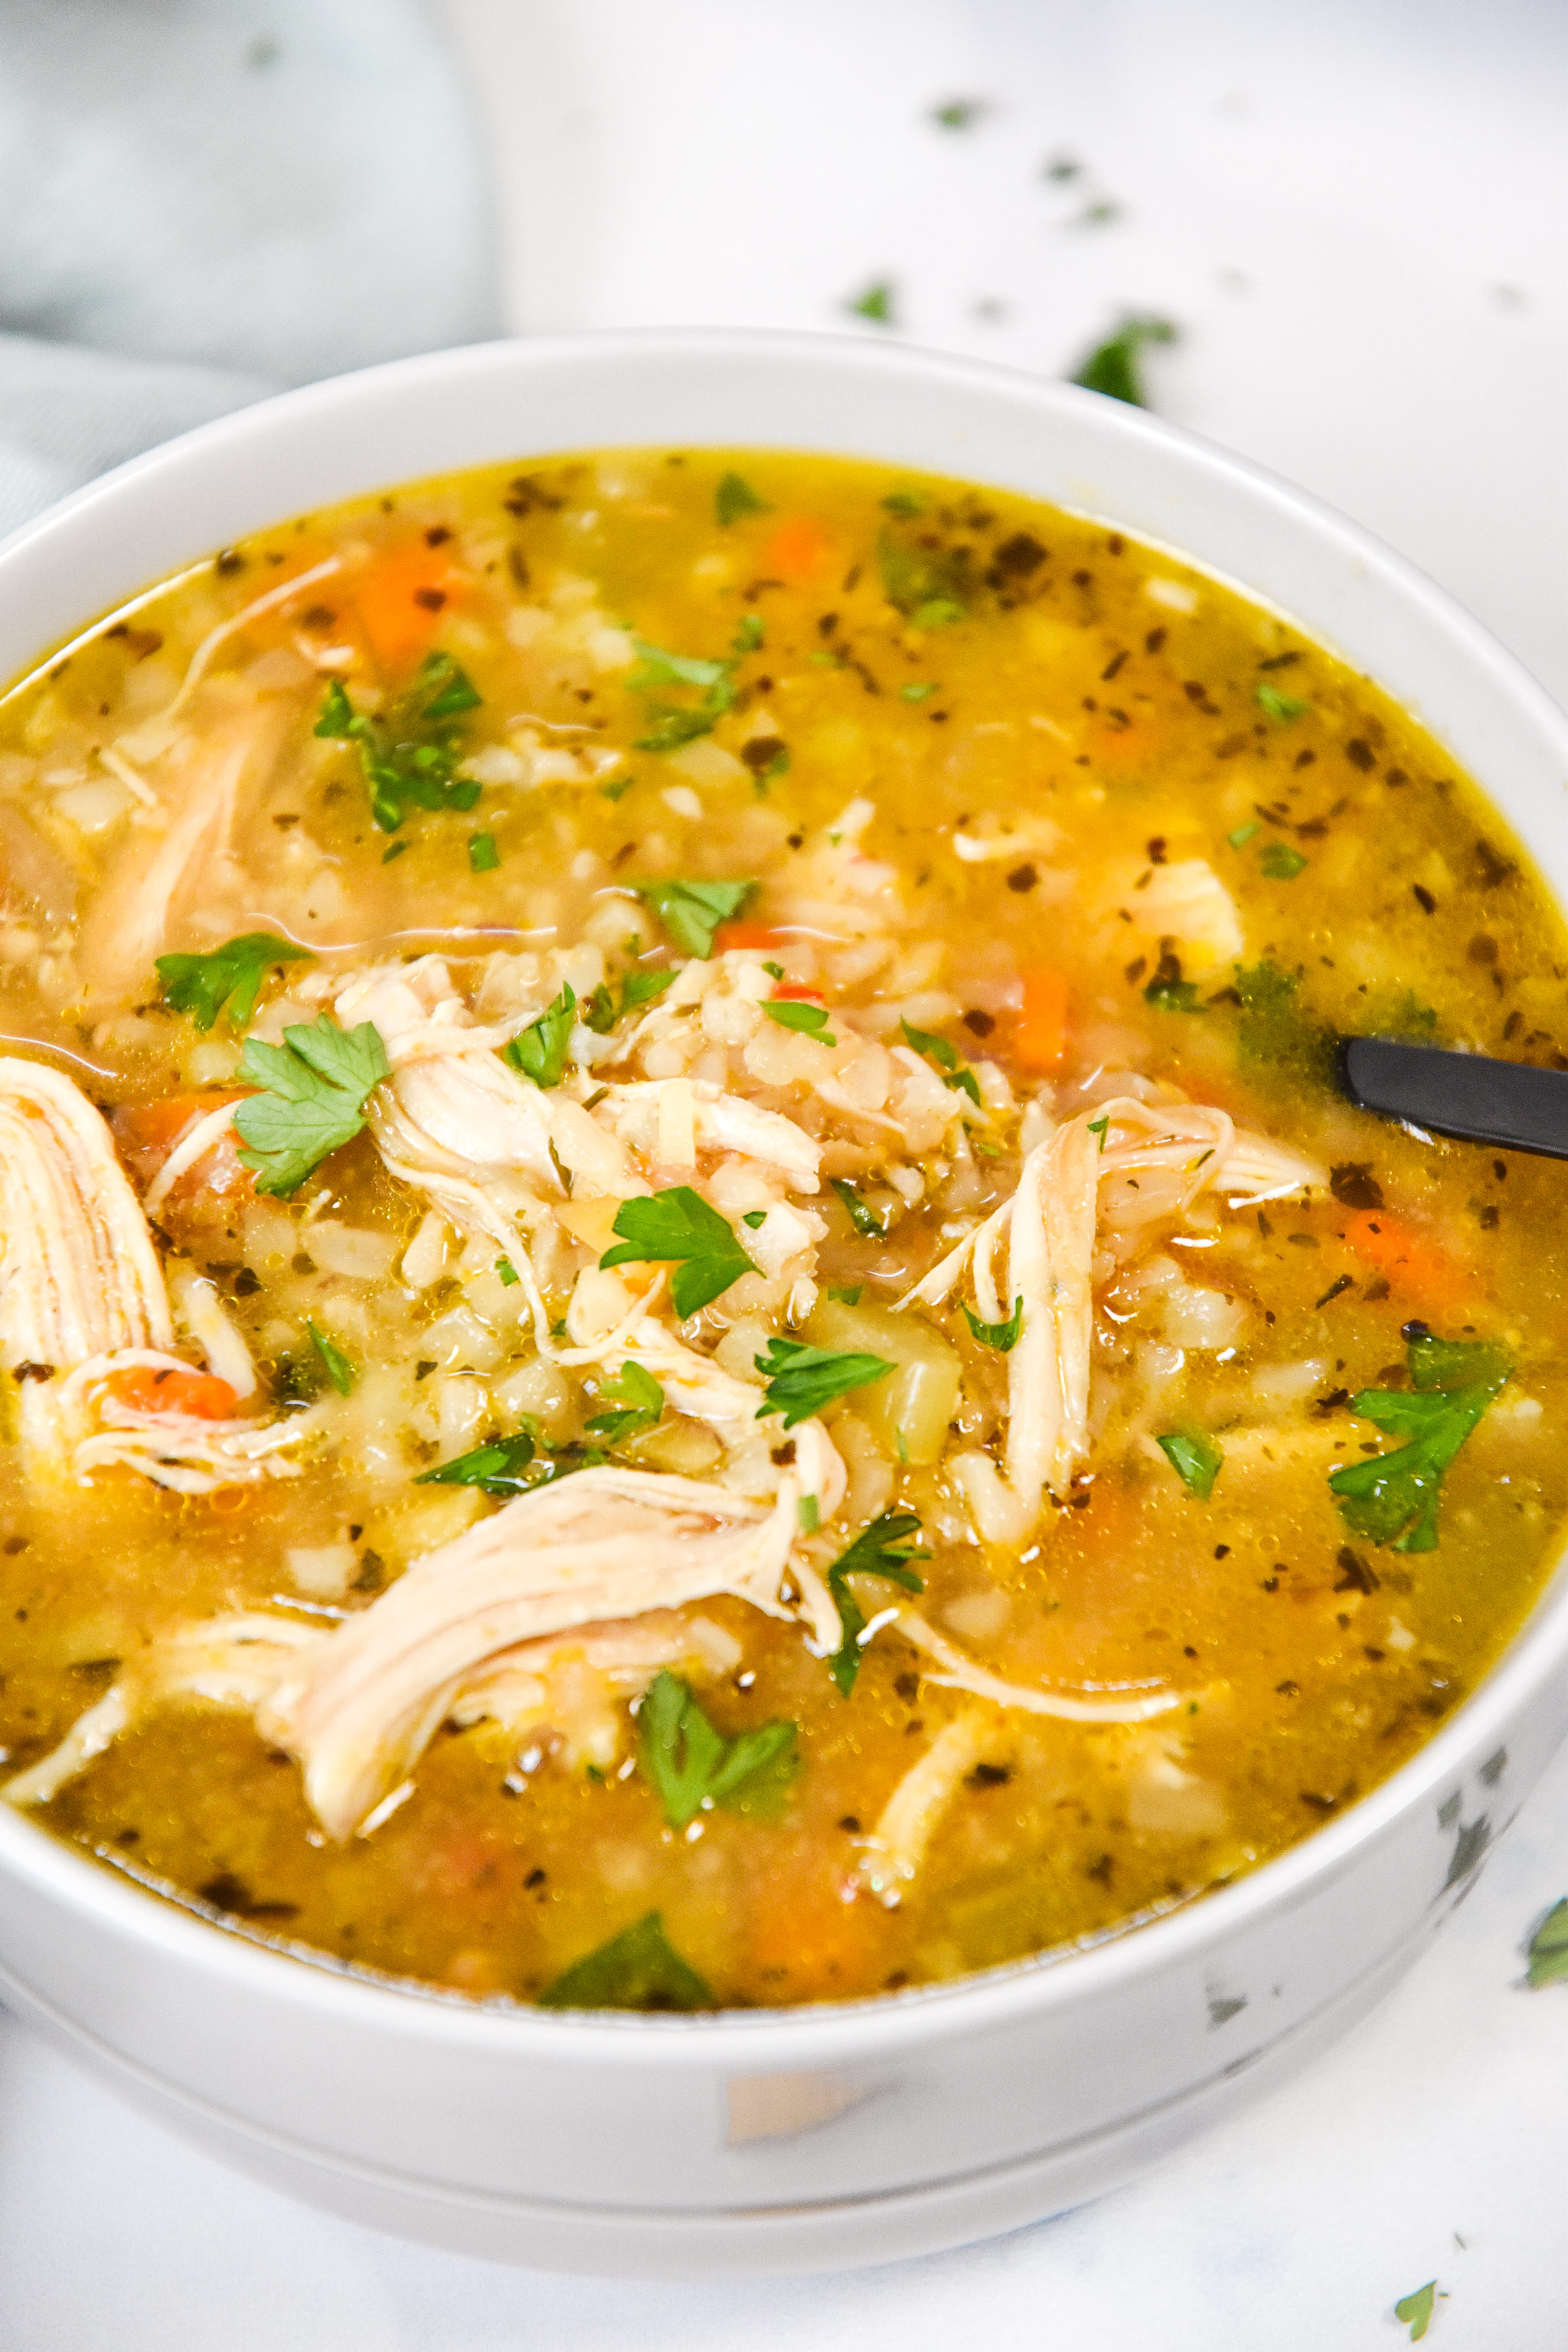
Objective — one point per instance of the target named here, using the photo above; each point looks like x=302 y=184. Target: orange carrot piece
x=1040 y=1038
x=788 y=992
x=798 y=548
x=746 y=935
x=146 y=1390
x=158 y=1126
x=400 y=599
x=1411 y=1261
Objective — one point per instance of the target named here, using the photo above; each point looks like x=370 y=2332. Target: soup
x=691 y=1319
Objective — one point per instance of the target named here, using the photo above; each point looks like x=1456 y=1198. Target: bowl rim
x=879 y=2024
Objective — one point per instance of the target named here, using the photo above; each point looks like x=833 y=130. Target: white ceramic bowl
x=812 y=2137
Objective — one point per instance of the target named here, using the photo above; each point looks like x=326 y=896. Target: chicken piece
x=894 y=1851
x=1108 y=1175
x=604 y=1544
x=186 y=1452
x=1188 y=904
x=719 y=1121
x=576 y=1684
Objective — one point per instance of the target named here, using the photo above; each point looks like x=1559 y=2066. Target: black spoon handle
x=1509 y=1103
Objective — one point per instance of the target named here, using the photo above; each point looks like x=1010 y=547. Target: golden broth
x=1060 y=734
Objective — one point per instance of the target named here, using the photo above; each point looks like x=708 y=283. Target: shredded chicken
x=185 y=1452
x=895 y=1849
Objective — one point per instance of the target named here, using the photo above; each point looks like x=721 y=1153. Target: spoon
x=1509 y=1103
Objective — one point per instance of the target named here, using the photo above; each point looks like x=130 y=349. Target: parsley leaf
x=734 y=497
x=642 y=1400
x=692 y=911
x=540 y=1050
x=678 y=1226
x=410 y=757
x=1275 y=1033
x=1243 y=835
x=916 y=580
x=602 y=1010
x=1100 y=1127
x=791 y=1012
x=876 y=304
x=201 y=985
x=1003 y=1337
x=954 y=1072
x=495 y=1469
x=905 y=504
x=1281 y=862
x=1416 y=2310
x=639 y=1968
x=918 y=693
x=865 y=1219
x=340 y=1372
x=1278 y=705
x=1195 y=1459
x=1113 y=368
x=885 y=1548
x=678 y=723
x=314 y=1087
x=1549 y=1949
x=483 y=854
x=1392 y=1498
x=802 y=1380
x=508 y=1273
x=692 y=1764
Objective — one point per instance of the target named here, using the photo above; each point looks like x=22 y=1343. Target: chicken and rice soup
x=688 y=1317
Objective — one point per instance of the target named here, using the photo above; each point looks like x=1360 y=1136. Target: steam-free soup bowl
x=818 y=2137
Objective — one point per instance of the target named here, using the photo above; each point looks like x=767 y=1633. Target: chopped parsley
x=929 y=585
x=1392 y=1498
x=866 y=1220
x=639 y=1968
x=1281 y=862
x=314 y=1087
x=540 y=1051
x=876 y=303
x=483 y=854
x=1416 y=2310
x=920 y=691
x=850 y=1295
x=954 y=1071
x=640 y=1399
x=1277 y=704
x=1113 y=366
x=1169 y=992
x=410 y=757
x=958 y=114
x=905 y=504
x=496 y=1469
x=692 y=911
x=674 y=723
x=603 y=1010
x=1195 y=1459
x=678 y=1226
x=802 y=1380
x=339 y=1369
x=508 y=1273
x=201 y=985
x=792 y=1013
x=1003 y=1337
x=694 y=1766
x=885 y=1548
x=1100 y=1127
x=1548 y=1954
x=1274 y=1032
x=1243 y=835
x=734 y=497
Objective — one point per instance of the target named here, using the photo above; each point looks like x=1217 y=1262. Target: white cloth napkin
x=203 y=200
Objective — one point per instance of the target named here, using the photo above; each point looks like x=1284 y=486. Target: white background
x=1357 y=214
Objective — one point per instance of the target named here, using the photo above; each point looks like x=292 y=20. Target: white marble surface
x=1358 y=214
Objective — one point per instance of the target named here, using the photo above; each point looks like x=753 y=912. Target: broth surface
x=797 y=859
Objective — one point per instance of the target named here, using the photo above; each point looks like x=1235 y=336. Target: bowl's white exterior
x=822 y=2137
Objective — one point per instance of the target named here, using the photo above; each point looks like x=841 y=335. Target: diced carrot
x=148 y=1390
x=148 y=1132
x=788 y=992
x=746 y=934
x=1411 y=1261
x=796 y=549
x=400 y=598
x=807 y=1937
x=1040 y=1038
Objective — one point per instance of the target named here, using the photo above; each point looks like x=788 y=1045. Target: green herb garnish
x=792 y=1013
x=639 y=1968
x=954 y=1071
x=692 y=1764
x=1195 y=1459
x=641 y=1400
x=734 y=497
x=1003 y=1337
x=802 y=1380
x=602 y=1010
x=496 y=1469
x=540 y=1050
x=1102 y=1128
x=1281 y=862
x=1392 y=1498
x=1278 y=705
x=678 y=723
x=920 y=692
x=1113 y=367
x=850 y=1295
x=1416 y=2310
x=1274 y=1032
x=866 y=1220
x=692 y=911
x=679 y=1226
x=410 y=757
x=1243 y=835
x=1548 y=1952
x=905 y=504
x=928 y=585
x=1169 y=992
x=958 y=114
x=508 y=1273
x=201 y=985
x=483 y=854
x=885 y=1548
x=314 y=1087
x=340 y=1372
x=876 y=304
